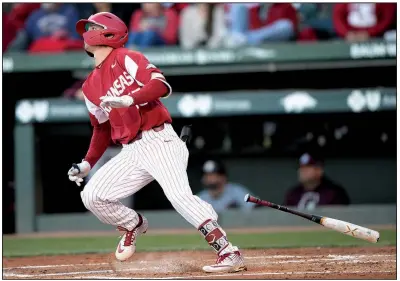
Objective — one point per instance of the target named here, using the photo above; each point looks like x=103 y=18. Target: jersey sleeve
x=101 y=136
x=96 y=114
x=139 y=67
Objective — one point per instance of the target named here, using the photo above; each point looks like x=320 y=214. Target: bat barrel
x=351 y=229
x=334 y=224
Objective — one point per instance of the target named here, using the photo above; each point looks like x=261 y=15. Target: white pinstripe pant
x=162 y=156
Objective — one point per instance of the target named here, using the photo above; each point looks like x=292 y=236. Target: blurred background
x=294 y=103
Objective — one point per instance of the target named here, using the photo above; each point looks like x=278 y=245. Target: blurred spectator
x=51 y=28
x=258 y=23
x=15 y=20
x=9 y=31
x=20 y=13
x=177 y=7
x=202 y=24
x=153 y=25
x=314 y=187
x=363 y=21
x=318 y=17
x=122 y=10
x=75 y=91
x=220 y=193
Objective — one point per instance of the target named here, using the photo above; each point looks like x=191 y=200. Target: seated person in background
x=20 y=13
x=202 y=24
x=122 y=10
x=49 y=28
x=363 y=21
x=314 y=188
x=177 y=7
x=259 y=23
x=153 y=25
x=15 y=20
x=9 y=31
x=220 y=193
x=317 y=17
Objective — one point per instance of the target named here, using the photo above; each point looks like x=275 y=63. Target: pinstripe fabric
x=118 y=178
x=158 y=155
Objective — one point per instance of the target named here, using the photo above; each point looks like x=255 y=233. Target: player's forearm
x=100 y=141
x=153 y=90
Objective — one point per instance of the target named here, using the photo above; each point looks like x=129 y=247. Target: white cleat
x=127 y=245
x=229 y=262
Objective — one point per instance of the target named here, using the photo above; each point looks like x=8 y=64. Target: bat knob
x=186 y=133
x=246 y=197
x=76 y=167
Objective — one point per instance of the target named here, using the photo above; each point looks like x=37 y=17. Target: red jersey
x=374 y=18
x=123 y=72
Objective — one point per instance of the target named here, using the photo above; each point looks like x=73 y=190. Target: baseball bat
x=337 y=225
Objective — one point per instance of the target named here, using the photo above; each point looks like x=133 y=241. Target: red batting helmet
x=112 y=25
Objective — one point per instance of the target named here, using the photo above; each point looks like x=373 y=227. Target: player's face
x=152 y=9
x=50 y=6
x=309 y=174
x=89 y=27
x=212 y=181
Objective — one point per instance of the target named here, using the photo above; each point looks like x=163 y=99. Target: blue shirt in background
x=42 y=23
x=232 y=196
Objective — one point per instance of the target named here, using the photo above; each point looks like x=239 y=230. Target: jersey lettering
x=118 y=88
x=131 y=72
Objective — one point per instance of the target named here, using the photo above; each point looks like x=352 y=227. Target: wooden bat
x=337 y=225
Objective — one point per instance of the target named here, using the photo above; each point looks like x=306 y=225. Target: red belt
x=140 y=133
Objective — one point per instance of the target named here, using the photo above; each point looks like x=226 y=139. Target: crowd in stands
x=50 y=27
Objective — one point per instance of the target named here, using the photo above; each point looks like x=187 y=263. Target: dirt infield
x=305 y=263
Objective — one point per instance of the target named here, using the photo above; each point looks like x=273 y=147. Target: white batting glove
x=116 y=102
x=78 y=172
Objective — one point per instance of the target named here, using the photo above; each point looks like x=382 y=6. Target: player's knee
x=89 y=199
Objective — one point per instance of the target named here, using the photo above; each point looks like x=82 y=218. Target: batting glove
x=116 y=102
x=78 y=172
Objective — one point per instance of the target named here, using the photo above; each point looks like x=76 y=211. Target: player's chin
x=89 y=48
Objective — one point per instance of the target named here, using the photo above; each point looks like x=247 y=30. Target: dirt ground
x=301 y=263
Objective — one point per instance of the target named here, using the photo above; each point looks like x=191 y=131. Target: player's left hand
x=78 y=172
x=116 y=102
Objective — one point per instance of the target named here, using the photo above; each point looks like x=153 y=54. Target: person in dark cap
x=220 y=193
x=314 y=187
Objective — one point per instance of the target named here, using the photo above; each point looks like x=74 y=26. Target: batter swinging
x=122 y=95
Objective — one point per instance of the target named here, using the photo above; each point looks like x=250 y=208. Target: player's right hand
x=78 y=172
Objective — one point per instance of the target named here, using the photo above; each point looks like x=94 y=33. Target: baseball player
x=122 y=95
